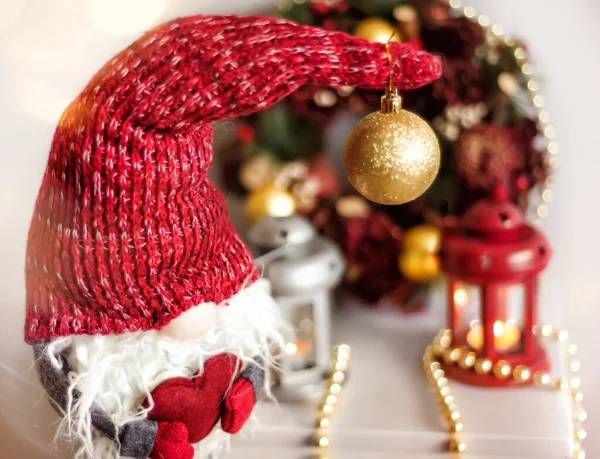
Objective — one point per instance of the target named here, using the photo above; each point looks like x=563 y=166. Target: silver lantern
x=303 y=268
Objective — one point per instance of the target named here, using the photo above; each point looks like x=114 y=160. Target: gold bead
x=522 y=373
x=561 y=384
x=376 y=29
x=438 y=374
x=269 y=201
x=579 y=454
x=328 y=409
x=335 y=389
x=338 y=377
x=454 y=415
x=547 y=331
x=577 y=397
x=452 y=355
x=324 y=422
x=457 y=446
x=575 y=382
x=442 y=382
x=341 y=365
x=392 y=158
x=435 y=366
x=580 y=434
x=502 y=369
x=541 y=379
x=572 y=350
x=453 y=408
x=580 y=416
x=343 y=349
x=575 y=366
x=563 y=336
x=323 y=442
x=483 y=366
x=457 y=427
x=449 y=400
x=444 y=391
x=467 y=360
x=445 y=341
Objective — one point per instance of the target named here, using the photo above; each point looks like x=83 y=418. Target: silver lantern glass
x=303 y=268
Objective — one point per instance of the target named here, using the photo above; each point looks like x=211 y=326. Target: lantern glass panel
x=301 y=351
x=510 y=309
x=467 y=301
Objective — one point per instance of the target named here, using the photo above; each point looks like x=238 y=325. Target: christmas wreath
x=485 y=109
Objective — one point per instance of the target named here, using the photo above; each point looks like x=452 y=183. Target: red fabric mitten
x=197 y=403
x=172 y=442
x=238 y=406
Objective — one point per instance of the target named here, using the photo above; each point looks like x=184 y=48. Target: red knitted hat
x=128 y=231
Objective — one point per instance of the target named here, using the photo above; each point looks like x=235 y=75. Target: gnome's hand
x=242 y=397
x=237 y=406
x=172 y=442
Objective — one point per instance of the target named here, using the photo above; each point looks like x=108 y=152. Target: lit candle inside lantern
x=460 y=297
x=506 y=335
x=298 y=352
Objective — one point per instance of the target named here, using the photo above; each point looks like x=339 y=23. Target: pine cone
x=462 y=82
x=485 y=156
x=452 y=37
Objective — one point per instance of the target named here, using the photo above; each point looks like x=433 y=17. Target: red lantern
x=492 y=259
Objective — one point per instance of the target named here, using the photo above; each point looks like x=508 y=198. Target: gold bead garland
x=341 y=357
x=440 y=351
x=532 y=88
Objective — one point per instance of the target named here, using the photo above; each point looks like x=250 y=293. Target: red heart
x=196 y=402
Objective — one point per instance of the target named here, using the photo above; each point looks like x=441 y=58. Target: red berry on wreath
x=246 y=133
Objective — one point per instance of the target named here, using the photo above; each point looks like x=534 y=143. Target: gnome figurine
x=152 y=331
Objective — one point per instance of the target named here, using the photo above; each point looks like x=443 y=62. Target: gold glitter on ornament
x=392 y=156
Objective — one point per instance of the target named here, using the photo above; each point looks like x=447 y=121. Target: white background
x=49 y=50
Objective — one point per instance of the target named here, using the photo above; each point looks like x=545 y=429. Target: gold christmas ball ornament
x=423 y=238
x=392 y=156
x=419 y=267
x=269 y=201
x=377 y=30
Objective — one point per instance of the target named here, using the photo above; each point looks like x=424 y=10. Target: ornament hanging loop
x=391 y=101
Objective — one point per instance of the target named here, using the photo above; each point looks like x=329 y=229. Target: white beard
x=118 y=372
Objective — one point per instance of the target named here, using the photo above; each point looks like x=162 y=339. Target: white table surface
x=386 y=409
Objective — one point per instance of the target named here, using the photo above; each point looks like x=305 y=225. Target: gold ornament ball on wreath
x=269 y=201
x=377 y=30
x=423 y=238
x=419 y=267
